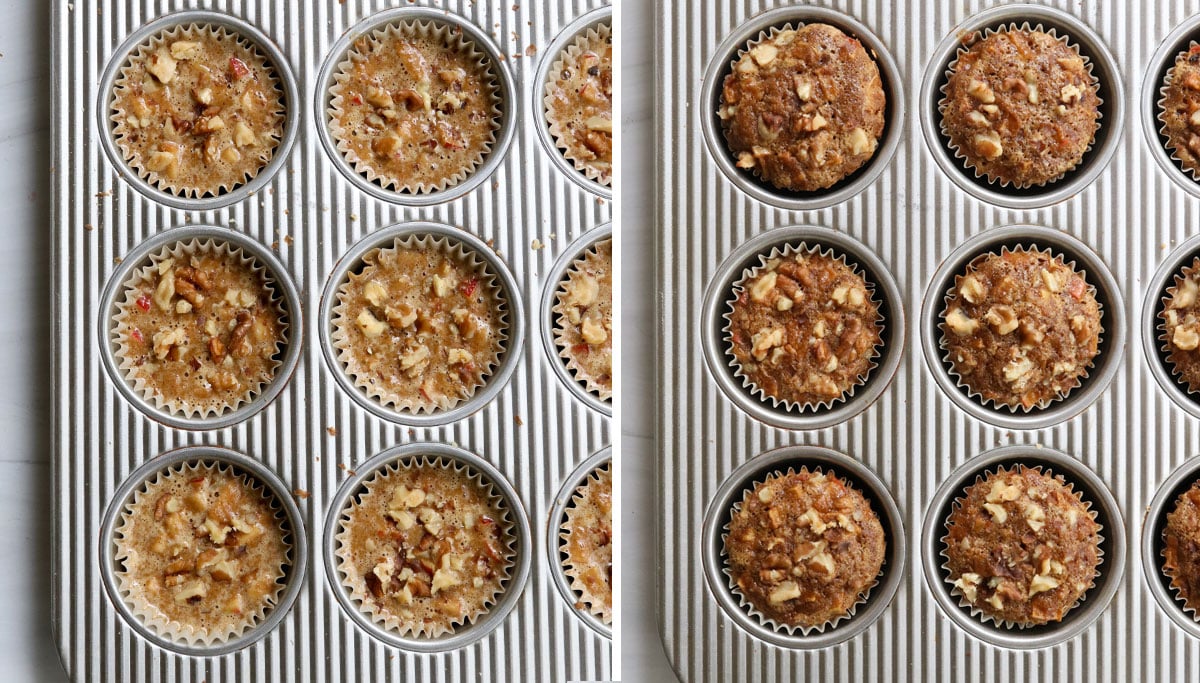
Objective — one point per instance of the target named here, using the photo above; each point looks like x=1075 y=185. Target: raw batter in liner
x=588 y=535
x=584 y=329
x=579 y=103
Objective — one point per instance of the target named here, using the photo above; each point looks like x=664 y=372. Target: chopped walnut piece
x=981 y=91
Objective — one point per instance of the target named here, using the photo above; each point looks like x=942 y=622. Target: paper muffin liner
x=120 y=128
x=987 y=617
x=595 y=605
x=958 y=379
x=966 y=43
x=1161 y=110
x=442 y=31
x=590 y=255
x=120 y=334
x=595 y=35
x=147 y=613
x=357 y=589
x=1173 y=581
x=343 y=343
x=779 y=253
x=1164 y=339
x=748 y=606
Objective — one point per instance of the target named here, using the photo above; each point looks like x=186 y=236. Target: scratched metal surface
x=1136 y=216
x=535 y=432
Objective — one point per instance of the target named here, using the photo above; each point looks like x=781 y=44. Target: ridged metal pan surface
x=1130 y=206
x=312 y=436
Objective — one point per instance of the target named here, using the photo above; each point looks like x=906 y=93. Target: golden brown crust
x=1021 y=546
x=588 y=537
x=579 y=103
x=805 y=329
x=803 y=108
x=425 y=548
x=419 y=326
x=1021 y=328
x=201 y=551
x=198 y=111
x=1180 y=319
x=201 y=329
x=413 y=108
x=584 y=325
x=1180 y=114
x=804 y=547
x=1021 y=107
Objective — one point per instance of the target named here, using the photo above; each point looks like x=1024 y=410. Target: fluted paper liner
x=120 y=129
x=356 y=586
x=447 y=33
x=1163 y=337
x=147 y=613
x=778 y=253
x=125 y=302
x=1161 y=110
x=589 y=255
x=1173 y=580
x=748 y=606
x=986 y=32
x=594 y=35
x=595 y=605
x=962 y=384
x=987 y=617
x=343 y=343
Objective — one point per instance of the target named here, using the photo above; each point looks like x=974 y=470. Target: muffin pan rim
x=271 y=482
x=855 y=183
x=278 y=62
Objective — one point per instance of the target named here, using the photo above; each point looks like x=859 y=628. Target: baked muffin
x=415 y=107
x=1021 y=546
x=421 y=326
x=425 y=549
x=200 y=329
x=587 y=541
x=1179 y=109
x=804 y=548
x=578 y=103
x=1181 y=557
x=197 y=111
x=1180 y=325
x=583 y=328
x=1020 y=107
x=804 y=329
x=1020 y=328
x=803 y=108
x=201 y=553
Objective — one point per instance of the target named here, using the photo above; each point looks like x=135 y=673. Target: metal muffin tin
x=755 y=470
x=1130 y=434
x=522 y=556
x=554 y=526
x=303 y=218
x=554 y=281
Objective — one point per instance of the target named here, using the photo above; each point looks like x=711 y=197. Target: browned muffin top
x=804 y=547
x=805 y=328
x=1180 y=318
x=1021 y=546
x=1021 y=106
x=804 y=108
x=1021 y=328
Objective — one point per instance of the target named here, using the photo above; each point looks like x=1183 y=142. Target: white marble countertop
x=27 y=648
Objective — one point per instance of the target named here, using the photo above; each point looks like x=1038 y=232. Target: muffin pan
x=1118 y=216
x=307 y=435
